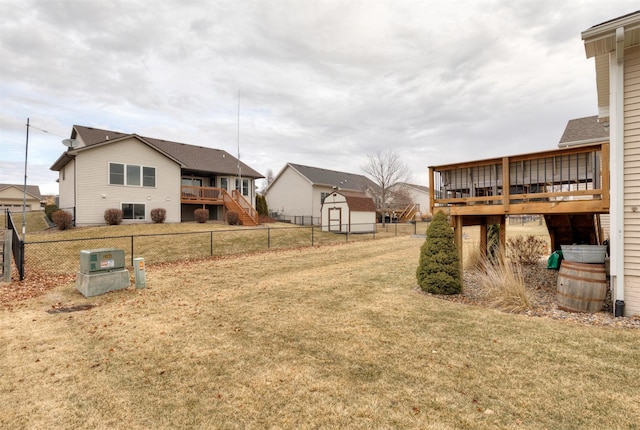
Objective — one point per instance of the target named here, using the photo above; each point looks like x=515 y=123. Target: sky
x=322 y=83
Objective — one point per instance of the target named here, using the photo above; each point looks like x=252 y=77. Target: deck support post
x=456 y=221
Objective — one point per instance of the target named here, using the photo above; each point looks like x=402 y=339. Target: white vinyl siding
x=95 y=195
x=632 y=180
x=291 y=194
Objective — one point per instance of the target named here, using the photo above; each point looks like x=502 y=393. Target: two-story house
x=104 y=169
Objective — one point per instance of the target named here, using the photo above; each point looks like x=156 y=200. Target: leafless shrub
x=202 y=215
x=158 y=215
x=527 y=250
x=62 y=219
x=113 y=216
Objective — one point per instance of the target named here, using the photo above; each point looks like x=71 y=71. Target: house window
x=245 y=187
x=148 y=176
x=132 y=175
x=133 y=211
x=224 y=184
x=323 y=196
x=116 y=174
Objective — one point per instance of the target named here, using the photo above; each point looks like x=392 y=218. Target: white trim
x=616 y=131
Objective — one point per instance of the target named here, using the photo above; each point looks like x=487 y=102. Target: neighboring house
x=12 y=197
x=104 y=169
x=615 y=46
x=297 y=192
x=584 y=131
x=416 y=200
x=348 y=212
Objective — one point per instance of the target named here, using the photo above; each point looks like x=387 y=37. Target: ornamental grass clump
x=502 y=283
x=439 y=267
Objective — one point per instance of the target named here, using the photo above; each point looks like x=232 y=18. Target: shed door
x=335 y=219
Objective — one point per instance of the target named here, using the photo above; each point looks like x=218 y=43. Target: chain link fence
x=57 y=257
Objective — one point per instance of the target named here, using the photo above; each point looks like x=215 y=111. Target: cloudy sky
x=321 y=83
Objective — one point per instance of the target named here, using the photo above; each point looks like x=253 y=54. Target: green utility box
x=101 y=260
x=101 y=270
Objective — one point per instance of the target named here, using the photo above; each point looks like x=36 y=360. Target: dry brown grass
x=503 y=285
x=329 y=337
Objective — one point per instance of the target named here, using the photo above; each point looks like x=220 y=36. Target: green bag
x=554 y=260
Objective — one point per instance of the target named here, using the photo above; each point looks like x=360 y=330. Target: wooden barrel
x=582 y=287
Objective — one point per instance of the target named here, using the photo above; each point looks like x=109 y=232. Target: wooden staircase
x=236 y=202
x=578 y=228
x=408 y=213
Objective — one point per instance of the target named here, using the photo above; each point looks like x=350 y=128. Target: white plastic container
x=584 y=253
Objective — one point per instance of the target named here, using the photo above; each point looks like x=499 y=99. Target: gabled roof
x=332 y=178
x=32 y=190
x=422 y=188
x=585 y=130
x=191 y=157
x=358 y=202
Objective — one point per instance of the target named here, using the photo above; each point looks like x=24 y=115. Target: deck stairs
x=408 y=213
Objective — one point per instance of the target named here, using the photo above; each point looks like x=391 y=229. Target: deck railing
x=574 y=179
x=218 y=196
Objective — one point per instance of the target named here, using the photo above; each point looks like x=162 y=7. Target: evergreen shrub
x=49 y=210
x=439 y=267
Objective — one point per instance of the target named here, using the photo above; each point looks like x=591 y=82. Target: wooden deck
x=234 y=201
x=568 y=185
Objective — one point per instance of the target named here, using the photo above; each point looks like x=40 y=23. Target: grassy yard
x=325 y=337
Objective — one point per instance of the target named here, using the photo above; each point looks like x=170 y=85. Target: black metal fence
x=58 y=257
x=17 y=244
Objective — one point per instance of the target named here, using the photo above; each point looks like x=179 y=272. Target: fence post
x=268 y=237
x=211 y=244
x=132 y=263
x=6 y=271
x=312 y=228
x=21 y=260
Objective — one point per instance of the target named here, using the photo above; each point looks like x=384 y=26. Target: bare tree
x=386 y=170
x=269 y=177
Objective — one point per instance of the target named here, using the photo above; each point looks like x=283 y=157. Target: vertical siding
x=95 y=195
x=632 y=180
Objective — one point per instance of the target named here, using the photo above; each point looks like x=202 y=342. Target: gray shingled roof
x=32 y=190
x=585 y=130
x=197 y=158
x=331 y=178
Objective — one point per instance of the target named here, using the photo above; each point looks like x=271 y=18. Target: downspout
x=616 y=121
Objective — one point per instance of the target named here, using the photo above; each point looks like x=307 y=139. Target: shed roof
x=358 y=202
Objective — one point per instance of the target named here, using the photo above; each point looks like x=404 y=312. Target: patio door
x=335 y=219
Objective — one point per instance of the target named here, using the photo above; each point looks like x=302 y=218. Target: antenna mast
x=24 y=198
x=239 y=186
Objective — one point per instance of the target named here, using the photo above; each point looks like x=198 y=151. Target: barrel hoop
x=582 y=299
x=580 y=278
x=584 y=267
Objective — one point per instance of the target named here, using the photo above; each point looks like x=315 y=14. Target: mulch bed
x=541 y=283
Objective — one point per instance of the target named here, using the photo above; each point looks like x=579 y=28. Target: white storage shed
x=348 y=212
